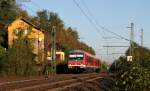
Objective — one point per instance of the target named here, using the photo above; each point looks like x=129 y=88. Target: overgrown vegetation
x=19 y=59
x=66 y=38
x=3 y=54
x=135 y=75
x=104 y=65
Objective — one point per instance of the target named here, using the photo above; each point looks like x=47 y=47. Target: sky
x=115 y=15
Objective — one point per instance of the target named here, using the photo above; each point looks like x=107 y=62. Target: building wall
x=60 y=56
x=36 y=35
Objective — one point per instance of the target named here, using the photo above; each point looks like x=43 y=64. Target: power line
x=37 y=5
x=29 y=8
x=115 y=46
x=96 y=22
x=89 y=12
x=21 y=4
x=89 y=19
x=114 y=33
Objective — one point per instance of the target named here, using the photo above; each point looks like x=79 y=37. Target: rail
x=49 y=83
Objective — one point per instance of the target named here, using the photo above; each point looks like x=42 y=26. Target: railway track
x=49 y=84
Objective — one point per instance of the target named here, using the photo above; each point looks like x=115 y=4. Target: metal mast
x=131 y=39
x=53 y=50
x=142 y=37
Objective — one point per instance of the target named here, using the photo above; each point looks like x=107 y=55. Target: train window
x=76 y=56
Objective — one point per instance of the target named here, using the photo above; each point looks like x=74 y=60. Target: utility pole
x=142 y=37
x=132 y=40
x=53 y=50
x=107 y=43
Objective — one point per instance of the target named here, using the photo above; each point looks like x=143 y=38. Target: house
x=60 y=56
x=35 y=34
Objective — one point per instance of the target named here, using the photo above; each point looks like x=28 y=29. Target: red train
x=83 y=61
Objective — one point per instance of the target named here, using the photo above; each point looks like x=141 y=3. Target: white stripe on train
x=82 y=66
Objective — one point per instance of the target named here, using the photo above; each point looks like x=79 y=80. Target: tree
x=135 y=75
x=73 y=33
x=3 y=60
x=131 y=76
x=20 y=56
x=7 y=11
x=66 y=39
x=7 y=15
x=104 y=65
x=141 y=55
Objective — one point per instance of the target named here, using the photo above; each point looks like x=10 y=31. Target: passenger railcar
x=83 y=61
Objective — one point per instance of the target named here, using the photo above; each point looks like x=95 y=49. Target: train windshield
x=76 y=56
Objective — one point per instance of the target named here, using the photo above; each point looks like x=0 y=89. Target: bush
x=3 y=54
x=131 y=76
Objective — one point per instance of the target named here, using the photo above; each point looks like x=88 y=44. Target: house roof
x=27 y=21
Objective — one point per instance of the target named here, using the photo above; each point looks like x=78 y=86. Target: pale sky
x=115 y=15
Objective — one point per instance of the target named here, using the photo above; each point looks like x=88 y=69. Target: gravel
x=103 y=84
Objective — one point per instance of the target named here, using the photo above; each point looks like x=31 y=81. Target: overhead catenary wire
x=90 y=13
x=96 y=22
x=29 y=9
x=37 y=5
x=24 y=5
x=93 y=18
x=90 y=20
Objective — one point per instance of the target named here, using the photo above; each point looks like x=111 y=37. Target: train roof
x=81 y=51
x=76 y=51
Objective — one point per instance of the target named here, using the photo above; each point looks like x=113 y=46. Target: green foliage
x=131 y=76
x=135 y=75
x=140 y=53
x=19 y=59
x=7 y=11
x=7 y=15
x=104 y=65
x=74 y=33
x=3 y=38
x=20 y=56
x=43 y=20
x=66 y=39
x=145 y=63
x=3 y=54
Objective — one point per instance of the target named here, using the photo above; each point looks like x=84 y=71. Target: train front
x=76 y=60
